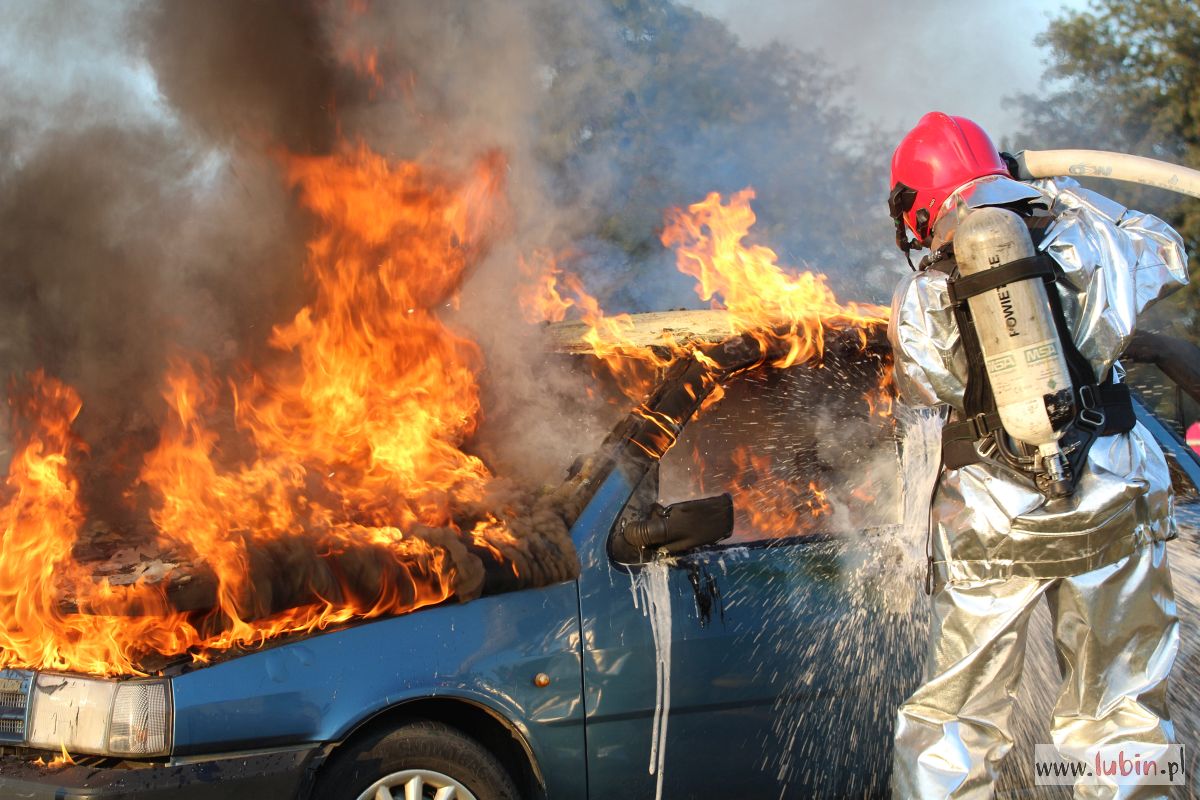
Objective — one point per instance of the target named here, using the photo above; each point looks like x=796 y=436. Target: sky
x=959 y=57
x=901 y=59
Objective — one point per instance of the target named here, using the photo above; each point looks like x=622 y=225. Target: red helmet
x=933 y=160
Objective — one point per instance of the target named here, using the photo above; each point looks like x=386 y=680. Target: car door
x=750 y=669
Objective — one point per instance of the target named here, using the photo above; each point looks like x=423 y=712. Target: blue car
x=681 y=663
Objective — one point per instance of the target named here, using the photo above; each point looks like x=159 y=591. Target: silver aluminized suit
x=1100 y=562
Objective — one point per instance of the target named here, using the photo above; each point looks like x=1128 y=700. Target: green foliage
x=1126 y=76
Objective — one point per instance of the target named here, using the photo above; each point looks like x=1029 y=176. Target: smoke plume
x=142 y=210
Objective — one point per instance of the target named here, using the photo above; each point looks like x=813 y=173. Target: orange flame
x=540 y=297
x=364 y=61
x=359 y=437
x=38 y=526
x=781 y=308
x=58 y=761
x=863 y=495
x=880 y=399
x=63 y=759
x=786 y=310
x=551 y=291
x=353 y=439
x=774 y=506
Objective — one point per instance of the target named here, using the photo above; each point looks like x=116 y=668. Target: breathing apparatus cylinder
x=1022 y=353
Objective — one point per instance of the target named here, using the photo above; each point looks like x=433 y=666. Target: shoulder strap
x=977 y=394
x=1080 y=368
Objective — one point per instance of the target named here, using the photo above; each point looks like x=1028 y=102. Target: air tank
x=1022 y=352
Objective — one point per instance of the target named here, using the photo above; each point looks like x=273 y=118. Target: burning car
x=163 y=631
x=512 y=694
x=658 y=671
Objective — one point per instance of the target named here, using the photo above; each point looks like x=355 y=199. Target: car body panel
x=486 y=652
x=320 y=688
x=756 y=666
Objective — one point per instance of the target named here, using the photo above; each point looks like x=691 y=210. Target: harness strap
x=977 y=394
x=1119 y=416
x=1080 y=368
x=965 y=286
x=959 y=439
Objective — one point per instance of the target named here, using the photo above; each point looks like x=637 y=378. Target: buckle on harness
x=1090 y=416
x=986 y=446
x=979 y=426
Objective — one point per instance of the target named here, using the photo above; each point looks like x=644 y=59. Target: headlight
x=86 y=715
x=139 y=719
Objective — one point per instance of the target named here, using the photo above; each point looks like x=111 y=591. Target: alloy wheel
x=416 y=784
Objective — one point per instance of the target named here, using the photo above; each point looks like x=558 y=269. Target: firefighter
x=1082 y=522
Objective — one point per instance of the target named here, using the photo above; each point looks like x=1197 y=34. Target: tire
x=431 y=752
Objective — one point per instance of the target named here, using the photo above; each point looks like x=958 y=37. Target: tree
x=1126 y=77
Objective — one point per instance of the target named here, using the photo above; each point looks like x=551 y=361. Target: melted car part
x=708 y=593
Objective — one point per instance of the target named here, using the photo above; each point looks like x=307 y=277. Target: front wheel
x=418 y=760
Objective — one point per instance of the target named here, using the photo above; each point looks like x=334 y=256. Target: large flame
x=358 y=437
x=352 y=439
x=789 y=310
x=344 y=458
x=38 y=528
x=792 y=308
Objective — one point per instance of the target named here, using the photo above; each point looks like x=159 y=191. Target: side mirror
x=676 y=528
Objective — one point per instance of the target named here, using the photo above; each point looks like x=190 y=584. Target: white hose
x=1115 y=166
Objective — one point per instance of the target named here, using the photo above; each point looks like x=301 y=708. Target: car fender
x=322 y=688
x=468 y=713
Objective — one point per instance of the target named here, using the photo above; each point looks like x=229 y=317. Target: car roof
x=649 y=329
